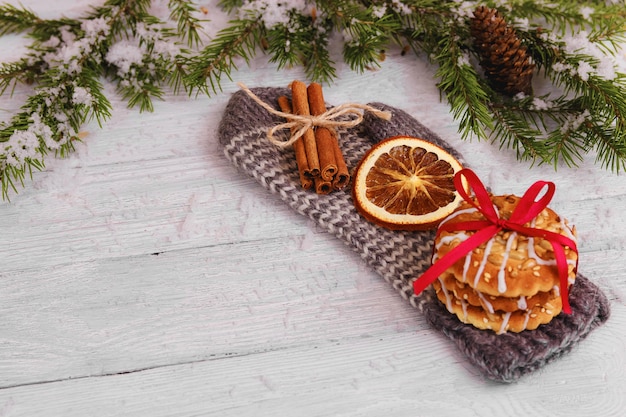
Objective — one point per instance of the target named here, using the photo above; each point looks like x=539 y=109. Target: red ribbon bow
x=529 y=206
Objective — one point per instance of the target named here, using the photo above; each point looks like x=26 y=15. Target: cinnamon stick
x=298 y=147
x=322 y=186
x=300 y=104
x=342 y=178
x=326 y=144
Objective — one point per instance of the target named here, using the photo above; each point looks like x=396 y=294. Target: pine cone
x=502 y=56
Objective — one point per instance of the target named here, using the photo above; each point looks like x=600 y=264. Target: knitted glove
x=398 y=256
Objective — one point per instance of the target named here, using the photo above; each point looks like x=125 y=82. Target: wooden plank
x=120 y=314
x=359 y=377
x=144 y=275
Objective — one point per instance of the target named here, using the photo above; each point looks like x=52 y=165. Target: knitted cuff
x=398 y=256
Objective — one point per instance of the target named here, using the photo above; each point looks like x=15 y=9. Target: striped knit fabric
x=399 y=257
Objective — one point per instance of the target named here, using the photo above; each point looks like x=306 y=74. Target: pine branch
x=13 y=73
x=187 y=25
x=230 y=5
x=440 y=30
x=566 y=16
x=303 y=40
x=66 y=61
x=204 y=71
x=611 y=152
x=16 y=20
x=318 y=65
x=367 y=38
x=467 y=96
x=19 y=20
x=513 y=131
x=50 y=120
x=567 y=44
x=421 y=29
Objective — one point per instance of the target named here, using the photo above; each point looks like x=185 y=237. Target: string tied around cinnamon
x=529 y=206
x=331 y=119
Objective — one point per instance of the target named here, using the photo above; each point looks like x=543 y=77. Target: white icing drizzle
x=533 y=254
x=445 y=293
x=468 y=259
x=486 y=302
x=505 y=258
x=521 y=302
x=505 y=322
x=526 y=318
x=446 y=240
x=462 y=236
x=458 y=213
x=541 y=261
x=464 y=307
x=567 y=230
x=483 y=262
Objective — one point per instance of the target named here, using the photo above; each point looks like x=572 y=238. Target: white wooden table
x=143 y=275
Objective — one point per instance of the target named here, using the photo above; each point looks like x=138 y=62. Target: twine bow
x=529 y=206
x=304 y=123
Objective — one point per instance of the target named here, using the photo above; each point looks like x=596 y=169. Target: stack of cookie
x=511 y=282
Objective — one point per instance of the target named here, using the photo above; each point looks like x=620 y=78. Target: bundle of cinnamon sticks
x=320 y=162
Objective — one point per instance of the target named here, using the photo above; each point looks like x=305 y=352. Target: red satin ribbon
x=529 y=206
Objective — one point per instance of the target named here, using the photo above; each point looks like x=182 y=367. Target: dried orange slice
x=406 y=183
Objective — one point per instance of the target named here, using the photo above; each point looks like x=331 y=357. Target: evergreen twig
x=571 y=45
x=239 y=40
x=66 y=62
x=589 y=93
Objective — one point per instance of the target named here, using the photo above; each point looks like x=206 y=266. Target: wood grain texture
x=143 y=275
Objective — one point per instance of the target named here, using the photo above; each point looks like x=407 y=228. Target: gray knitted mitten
x=399 y=257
